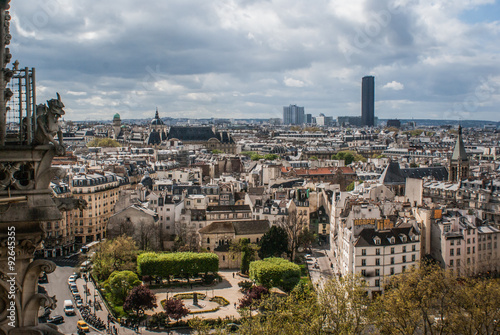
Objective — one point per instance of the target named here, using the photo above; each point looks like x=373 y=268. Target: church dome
x=116 y=117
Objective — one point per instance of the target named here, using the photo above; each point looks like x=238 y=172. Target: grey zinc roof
x=392 y=175
x=251 y=227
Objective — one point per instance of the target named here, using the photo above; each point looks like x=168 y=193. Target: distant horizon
x=266 y=119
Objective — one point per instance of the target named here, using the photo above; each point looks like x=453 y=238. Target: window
x=458 y=252
x=404 y=259
x=223 y=257
x=452 y=252
x=377 y=261
x=363 y=262
x=404 y=248
x=458 y=262
x=377 y=251
x=468 y=250
x=363 y=273
x=392 y=271
x=468 y=240
x=451 y=263
x=452 y=242
x=208 y=239
x=413 y=247
x=377 y=272
x=363 y=252
x=403 y=268
x=392 y=250
x=377 y=282
x=413 y=257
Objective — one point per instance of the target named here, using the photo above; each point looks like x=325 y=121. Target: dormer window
x=392 y=240
x=376 y=239
x=403 y=238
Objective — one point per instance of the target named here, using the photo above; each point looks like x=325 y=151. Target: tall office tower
x=293 y=114
x=368 y=101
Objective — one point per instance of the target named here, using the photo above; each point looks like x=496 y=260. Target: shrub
x=275 y=271
x=178 y=264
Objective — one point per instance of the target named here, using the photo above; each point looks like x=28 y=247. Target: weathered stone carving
x=68 y=204
x=47 y=124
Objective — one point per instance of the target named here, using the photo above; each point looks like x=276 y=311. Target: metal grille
x=21 y=108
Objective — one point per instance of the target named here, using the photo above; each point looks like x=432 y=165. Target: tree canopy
x=273 y=243
x=348 y=157
x=103 y=143
x=118 y=254
x=177 y=264
x=119 y=284
x=139 y=299
x=275 y=271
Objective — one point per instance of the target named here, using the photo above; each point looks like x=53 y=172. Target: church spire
x=459 y=162
x=157 y=116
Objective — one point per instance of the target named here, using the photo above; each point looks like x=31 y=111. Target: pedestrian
x=233 y=274
x=234 y=305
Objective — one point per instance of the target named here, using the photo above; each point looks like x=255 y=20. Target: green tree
x=114 y=255
x=273 y=243
x=343 y=303
x=103 y=143
x=119 y=284
x=306 y=238
x=271 y=157
x=275 y=271
x=413 y=299
x=216 y=151
x=247 y=251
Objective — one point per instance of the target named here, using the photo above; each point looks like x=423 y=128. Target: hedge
x=275 y=272
x=178 y=264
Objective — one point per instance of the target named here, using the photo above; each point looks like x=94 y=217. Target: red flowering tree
x=140 y=299
x=175 y=309
x=255 y=294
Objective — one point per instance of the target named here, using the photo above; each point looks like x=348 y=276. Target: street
x=58 y=286
x=323 y=270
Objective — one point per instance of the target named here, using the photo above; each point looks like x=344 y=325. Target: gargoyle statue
x=47 y=124
x=67 y=204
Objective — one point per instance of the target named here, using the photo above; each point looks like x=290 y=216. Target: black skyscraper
x=368 y=101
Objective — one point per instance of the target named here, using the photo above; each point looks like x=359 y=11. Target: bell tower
x=459 y=162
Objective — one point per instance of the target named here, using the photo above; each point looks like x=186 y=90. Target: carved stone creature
x=47 y=124
x=68 y=204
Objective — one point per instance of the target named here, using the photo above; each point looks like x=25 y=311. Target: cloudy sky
x=248 y=58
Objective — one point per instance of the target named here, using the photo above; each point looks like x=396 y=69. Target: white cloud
x=394 y=85
x=291 y=82
x=211 y=58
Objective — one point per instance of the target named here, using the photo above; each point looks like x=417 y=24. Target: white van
x=69 y=309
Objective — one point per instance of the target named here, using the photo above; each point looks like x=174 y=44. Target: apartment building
x=101 y=191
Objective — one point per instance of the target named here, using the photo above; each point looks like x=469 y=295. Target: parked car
x=69 y=309
x=72 y=280
x=82 y=325
x=56 y=319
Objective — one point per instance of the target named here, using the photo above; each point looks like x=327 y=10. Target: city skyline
x=248 y=60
